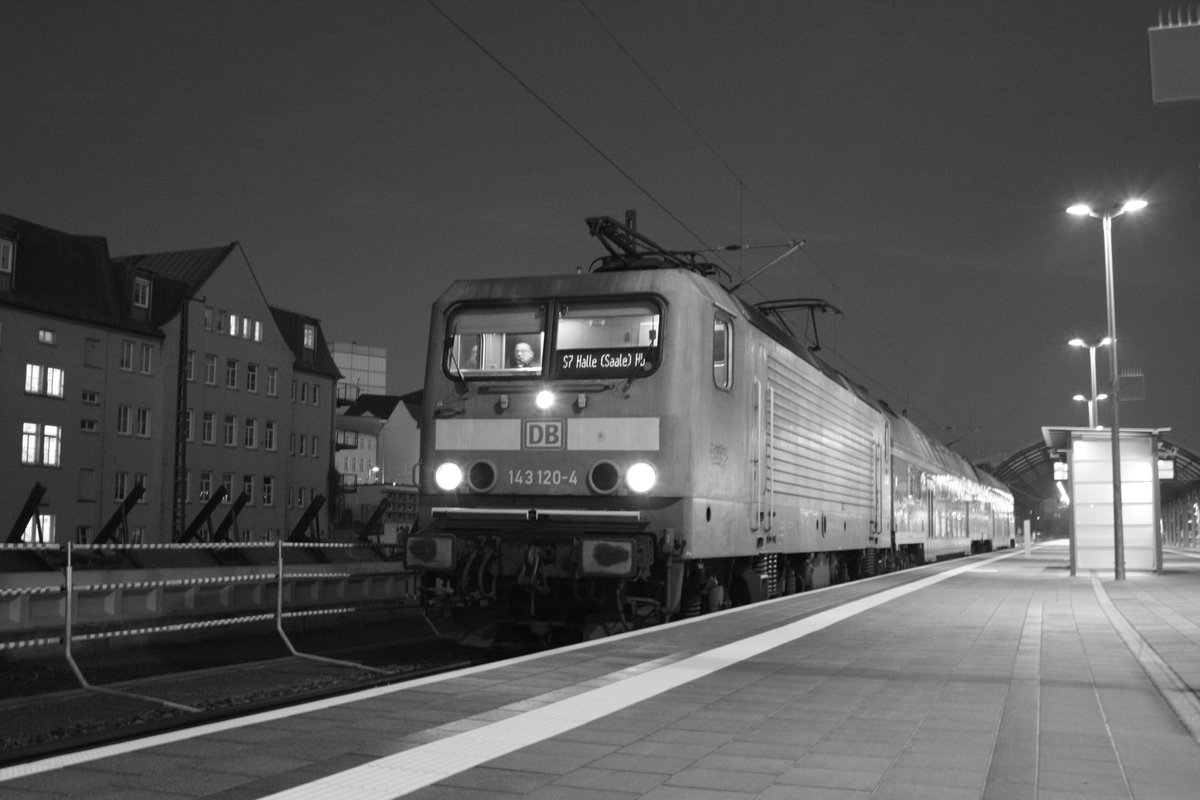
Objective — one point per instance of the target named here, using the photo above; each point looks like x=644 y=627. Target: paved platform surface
x=993 y=677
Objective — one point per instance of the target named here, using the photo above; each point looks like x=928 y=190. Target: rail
x=118 y=599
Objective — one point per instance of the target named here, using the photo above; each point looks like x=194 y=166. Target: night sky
x=365 y=154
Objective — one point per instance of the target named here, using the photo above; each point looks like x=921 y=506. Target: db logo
x=543 y=434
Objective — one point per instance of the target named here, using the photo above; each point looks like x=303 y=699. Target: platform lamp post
x=1091 y=401
x=1092 y=408
x=1106 y=217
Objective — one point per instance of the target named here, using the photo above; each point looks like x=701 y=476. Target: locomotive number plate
x=543 y=477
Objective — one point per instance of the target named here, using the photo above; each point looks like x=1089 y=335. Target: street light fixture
x=1084 y=210
x=1091 y=407
x=1092 y=351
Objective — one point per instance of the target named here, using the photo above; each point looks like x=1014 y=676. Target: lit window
x=29 y=443
x=40 y=530
x=141 y=293
x=47 y=336
x=233 y=324
x=257 y=331
x=310 y=337
x=43 y=380
x=246 y=327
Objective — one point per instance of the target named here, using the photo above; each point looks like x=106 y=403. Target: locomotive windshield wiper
x=645 y=365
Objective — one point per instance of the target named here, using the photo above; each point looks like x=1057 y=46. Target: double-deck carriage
x=606 y=450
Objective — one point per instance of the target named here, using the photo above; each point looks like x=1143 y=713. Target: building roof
x=379 y=406
x=318 y=360
x=70 y=276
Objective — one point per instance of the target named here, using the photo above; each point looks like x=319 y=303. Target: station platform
x=997 y=677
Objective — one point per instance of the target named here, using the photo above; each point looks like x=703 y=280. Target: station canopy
x=1030 y=472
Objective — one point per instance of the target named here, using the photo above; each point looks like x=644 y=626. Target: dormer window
x=141 y=293
x=310 y=337
x=6 y=256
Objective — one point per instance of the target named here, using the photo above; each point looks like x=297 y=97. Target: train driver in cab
x=524 y=356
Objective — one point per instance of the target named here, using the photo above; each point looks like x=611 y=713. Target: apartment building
x=165 y=371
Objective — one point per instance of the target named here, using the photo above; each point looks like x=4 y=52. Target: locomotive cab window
x=607 y=339
x=494 y=342
x=722 y=352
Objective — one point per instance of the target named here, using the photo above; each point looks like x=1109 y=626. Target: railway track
x=44 y=712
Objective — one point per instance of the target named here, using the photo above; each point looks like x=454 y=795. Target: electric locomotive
x=610 y=449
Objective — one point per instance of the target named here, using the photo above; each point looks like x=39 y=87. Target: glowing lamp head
x=448 y=476
x=641 y=477
x=544 y=399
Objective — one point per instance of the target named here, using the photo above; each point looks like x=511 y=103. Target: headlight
x=641 y=477
x=544 y=399
x=448 y=476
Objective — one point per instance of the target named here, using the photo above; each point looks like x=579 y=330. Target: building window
x=137 y=534
x=269 y=435
x=227 y=485
x=231 y=373
x=91 y=398
x=250 y=433
x=43 y=380
x=205 y=485
x=42 y=524
x=92 y=356
x=252 y=377
x=6 y=256
x=303 y=392
x=233 y=324
x=146 y=356
x=210 y=370
x=310 y=337
x=139 y=479
x=124 y=416
x=272 y=381
x=248 y=488
x=292 y=396
x=126 y=355
x=141 y=293
x=314 y=447
x=89 y=425
x=83 y=533
x=189 y=425
x=143 y=423
x=120 y=485
x=268 y=490
x=208 y=315
x=257 y=331
x=230 y=430
x=222 y=320
x=316 y=394
x=47 y=336
x=291 y=444
x=246 y=327
x=208 y=422
x=302 y=445
x=191 y=365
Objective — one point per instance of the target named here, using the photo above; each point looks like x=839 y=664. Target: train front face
x=546 y=481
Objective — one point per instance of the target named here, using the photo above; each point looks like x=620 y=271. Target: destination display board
x=612 y=362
